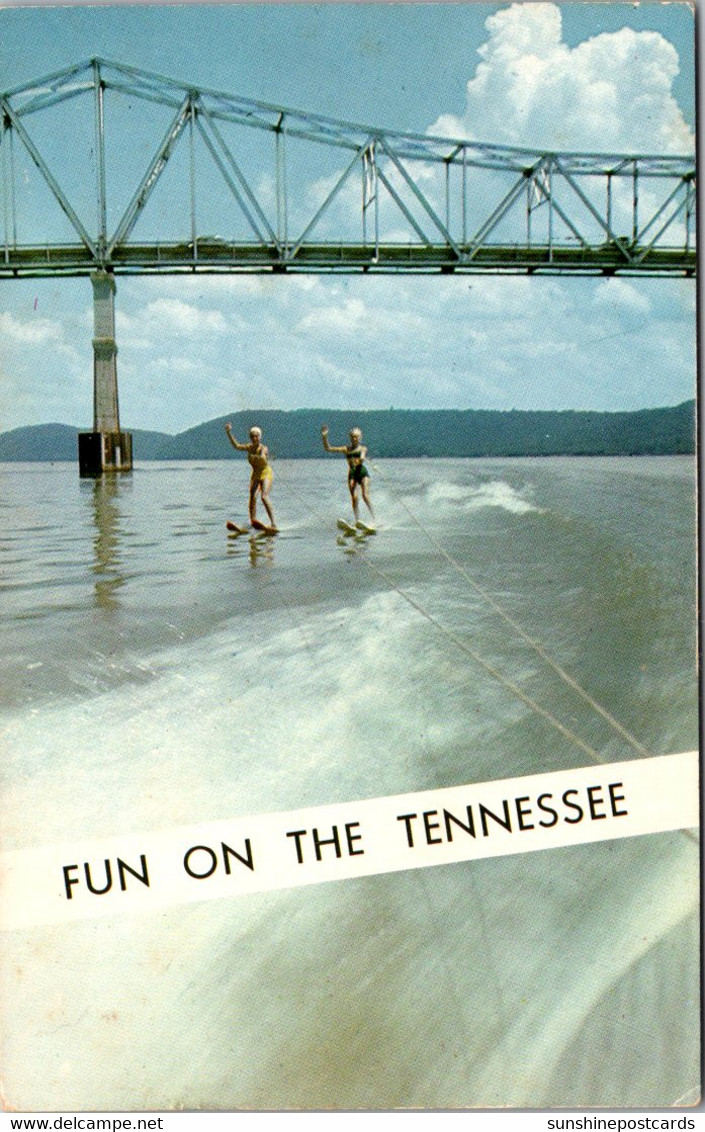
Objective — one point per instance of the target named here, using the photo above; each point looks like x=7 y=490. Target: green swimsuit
x=357 y=472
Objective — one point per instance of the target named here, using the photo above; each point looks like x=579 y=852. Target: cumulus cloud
x=34 y=331
x=183 y=318
x=620 y=294
x=611 y=92
x=354 y=317
x=166 y=317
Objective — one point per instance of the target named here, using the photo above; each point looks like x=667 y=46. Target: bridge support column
x=106 y=448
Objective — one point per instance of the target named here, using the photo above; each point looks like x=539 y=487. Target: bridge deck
x=219 y=256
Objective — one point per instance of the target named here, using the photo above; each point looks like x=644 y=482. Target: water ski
x=264 y=530
x=234 y=529
x=366 y=530
x=346 y=528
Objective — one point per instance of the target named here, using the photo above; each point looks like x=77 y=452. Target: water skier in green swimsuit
x=358 y=476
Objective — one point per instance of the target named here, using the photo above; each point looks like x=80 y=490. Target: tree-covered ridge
x=394 y=433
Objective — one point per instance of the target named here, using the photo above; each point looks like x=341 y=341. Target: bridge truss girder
x=463 y=206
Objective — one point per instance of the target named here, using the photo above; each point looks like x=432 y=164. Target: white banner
x=233 y=857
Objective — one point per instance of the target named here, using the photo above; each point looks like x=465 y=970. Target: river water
x=156 y=673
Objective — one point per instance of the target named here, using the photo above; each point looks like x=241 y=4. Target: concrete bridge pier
x=106 y=448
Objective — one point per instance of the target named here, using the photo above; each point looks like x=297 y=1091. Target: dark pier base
x=100 y=452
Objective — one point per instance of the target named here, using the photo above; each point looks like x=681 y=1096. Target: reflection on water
x=262 y=551
x=259 y=548
x=352 y=544
x=105 y=493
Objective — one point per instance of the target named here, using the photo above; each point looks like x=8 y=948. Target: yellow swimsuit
x=260 y=475
x=263 y=474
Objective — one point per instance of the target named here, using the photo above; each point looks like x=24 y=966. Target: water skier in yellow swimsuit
x=261 y=478
x=358 y=475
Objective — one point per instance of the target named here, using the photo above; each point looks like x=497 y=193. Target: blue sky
x=573 y=76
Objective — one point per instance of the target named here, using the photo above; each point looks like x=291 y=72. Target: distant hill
x=447 y=432
x=398 y=433
x=39 y=442
x=57 y=442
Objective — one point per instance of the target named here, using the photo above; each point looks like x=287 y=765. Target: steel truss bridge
x=107 y=170
x=86 y=154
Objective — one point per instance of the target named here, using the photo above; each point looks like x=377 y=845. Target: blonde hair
x=256 y=429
